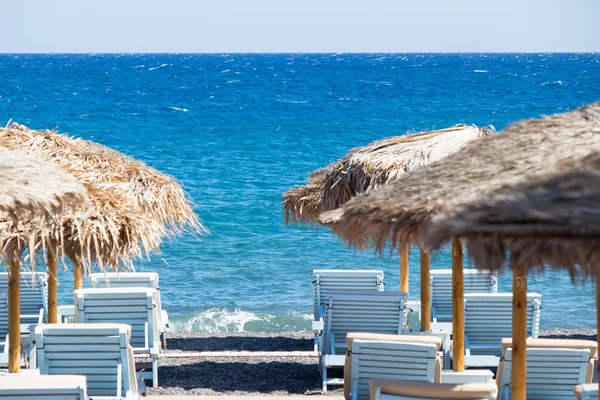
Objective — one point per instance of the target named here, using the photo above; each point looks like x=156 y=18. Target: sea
x=238 y=130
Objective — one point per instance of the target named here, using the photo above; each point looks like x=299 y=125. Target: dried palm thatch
x=117 y=226
x=29 y=185
x=552 y=222
x=365 y=168
x=400 y=212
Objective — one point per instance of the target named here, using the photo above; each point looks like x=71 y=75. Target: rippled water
x=238 y=130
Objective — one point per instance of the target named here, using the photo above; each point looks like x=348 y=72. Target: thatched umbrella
x=134 y=205
x=364 y=169
x=402 y=210
x=30 y=188
x=553 y=222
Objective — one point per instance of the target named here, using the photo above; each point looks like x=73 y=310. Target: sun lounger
x=135 y=279
x=28 y=387
x=374 y=312
x=34 y=296
x=586 y=392
x=132 y=306
x=410 y=357
x=554 y=367
x=385 y=389
x=476 y=281
x=3 y=329
x=100 y=352
x=488 y=319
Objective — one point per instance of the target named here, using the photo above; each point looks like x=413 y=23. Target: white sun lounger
x=476 y=281
x=373 y=356
x=132 y=306
x=100 y=352
x=385 y=389
x=488 y=319
x=3 y=329
x=135 y=279
x=28 y=387
x=588 y=391
x=34 y=296
x=554 y=367
x=373 y=312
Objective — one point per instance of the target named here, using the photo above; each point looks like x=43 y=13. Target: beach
x=257 y=375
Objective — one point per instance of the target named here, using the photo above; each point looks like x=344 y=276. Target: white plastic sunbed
x=35 y=387
x=475 y=281
x=385 y=389
x=588 y=391
x=488 y=319
x=135 y=279
x=34 y=296
x=132 y=306
x=554 y=367
x=373 y=312
x=3 y=329
x=100 y=352
x=407 y=357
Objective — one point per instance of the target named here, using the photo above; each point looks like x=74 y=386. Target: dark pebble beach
x=257 y=375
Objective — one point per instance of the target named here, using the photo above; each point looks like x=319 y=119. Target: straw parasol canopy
x=132 y=205
x=554 y=221
x=31 y=186
x=401 y=211
x=365 y=168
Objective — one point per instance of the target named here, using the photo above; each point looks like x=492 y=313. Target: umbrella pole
x=404 y=255
x=77 y=274
x=52 y=265
x=458 y=306
x=14 y=312
x=425 y=292
x=519 y=333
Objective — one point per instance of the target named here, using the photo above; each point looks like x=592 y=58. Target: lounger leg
x=324 y=375
x=154 y=373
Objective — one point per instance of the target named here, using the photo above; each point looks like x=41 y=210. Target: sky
x=224 y=26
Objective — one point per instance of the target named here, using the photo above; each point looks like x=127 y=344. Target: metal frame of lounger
x=475 y=281
x=100 y=352
x=360 y=311
x=373 y=359
x=34 y=387
x=488 y=318
x=135 y=279
x=551 y=373
x=132 y=306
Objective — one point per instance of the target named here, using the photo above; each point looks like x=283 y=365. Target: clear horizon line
x=303 y=52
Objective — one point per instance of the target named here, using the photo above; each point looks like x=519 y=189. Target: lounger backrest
x=551 y=373
x=34 y=293
x=28 y=387
x=476 y=281
x=128 y=279
x=131 y=306
x=3 y=317
x=100 y=352
x=390 y=360
x=341 y=279
x=372 y=312
x=488 y=318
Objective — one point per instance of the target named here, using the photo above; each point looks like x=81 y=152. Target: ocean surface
x=239 y=129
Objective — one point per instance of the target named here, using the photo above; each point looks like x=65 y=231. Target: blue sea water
x=239 y=129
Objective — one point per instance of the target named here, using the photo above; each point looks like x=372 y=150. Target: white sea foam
x=160 y=66
x=552 y=83
x=179 y=109
x=483 y=71
x=218 y=320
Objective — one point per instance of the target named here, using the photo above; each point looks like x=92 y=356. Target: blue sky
x=299 y=26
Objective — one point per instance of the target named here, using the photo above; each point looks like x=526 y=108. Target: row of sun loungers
x=118 y=323
x=385 y=349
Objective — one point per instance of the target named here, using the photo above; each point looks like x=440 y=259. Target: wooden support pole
x=519 y=334
x=77 y=274
x=52 y=265
x=458 y=306
x=598 y=316
x=14 y=312
x=425 y=292
x=404 y=256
